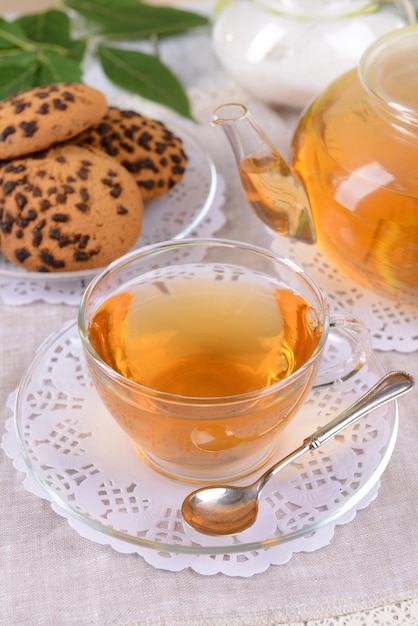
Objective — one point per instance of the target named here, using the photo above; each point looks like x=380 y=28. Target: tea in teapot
x=352 y=184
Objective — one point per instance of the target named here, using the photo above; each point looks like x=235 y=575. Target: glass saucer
x=174 y=215
x=87 y=467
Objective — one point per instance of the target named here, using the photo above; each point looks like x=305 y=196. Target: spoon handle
x=388 y=388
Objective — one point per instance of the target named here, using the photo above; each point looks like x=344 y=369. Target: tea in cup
x=203 y=351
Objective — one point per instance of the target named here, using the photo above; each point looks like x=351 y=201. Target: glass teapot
x=352 y=183
x=286 y=51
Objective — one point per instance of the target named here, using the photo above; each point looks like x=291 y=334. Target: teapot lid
x=388 y=71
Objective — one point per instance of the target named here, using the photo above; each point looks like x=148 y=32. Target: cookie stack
x=74 y=175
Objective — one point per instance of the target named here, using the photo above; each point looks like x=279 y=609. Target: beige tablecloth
x=49 y=575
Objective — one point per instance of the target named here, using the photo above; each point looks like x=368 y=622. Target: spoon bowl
x=229 y=509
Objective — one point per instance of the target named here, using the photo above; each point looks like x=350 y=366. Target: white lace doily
x=191 y=208
x=392 y=325
x=73 y=454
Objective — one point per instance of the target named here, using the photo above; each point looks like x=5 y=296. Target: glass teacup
x=203 y=351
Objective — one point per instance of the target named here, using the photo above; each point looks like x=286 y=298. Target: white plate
x=173 y=215
x=88 y=469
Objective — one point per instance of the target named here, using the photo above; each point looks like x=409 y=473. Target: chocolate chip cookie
x=149 y=150
x=68 y=208
x=38 y=118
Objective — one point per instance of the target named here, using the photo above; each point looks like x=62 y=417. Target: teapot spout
x=276 y=195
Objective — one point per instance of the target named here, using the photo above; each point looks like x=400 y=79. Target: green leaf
x=146 y=76
x=77 y=50
x=48 y=27
x=56 y=68
x=11 y=35
x=53 y=28
x=38 y=48
x=14 y=79
x=17 y=58
x=131 y=19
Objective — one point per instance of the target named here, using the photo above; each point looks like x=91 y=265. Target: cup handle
x=346 y=350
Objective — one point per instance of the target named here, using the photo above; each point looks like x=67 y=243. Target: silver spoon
x=228 y=510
